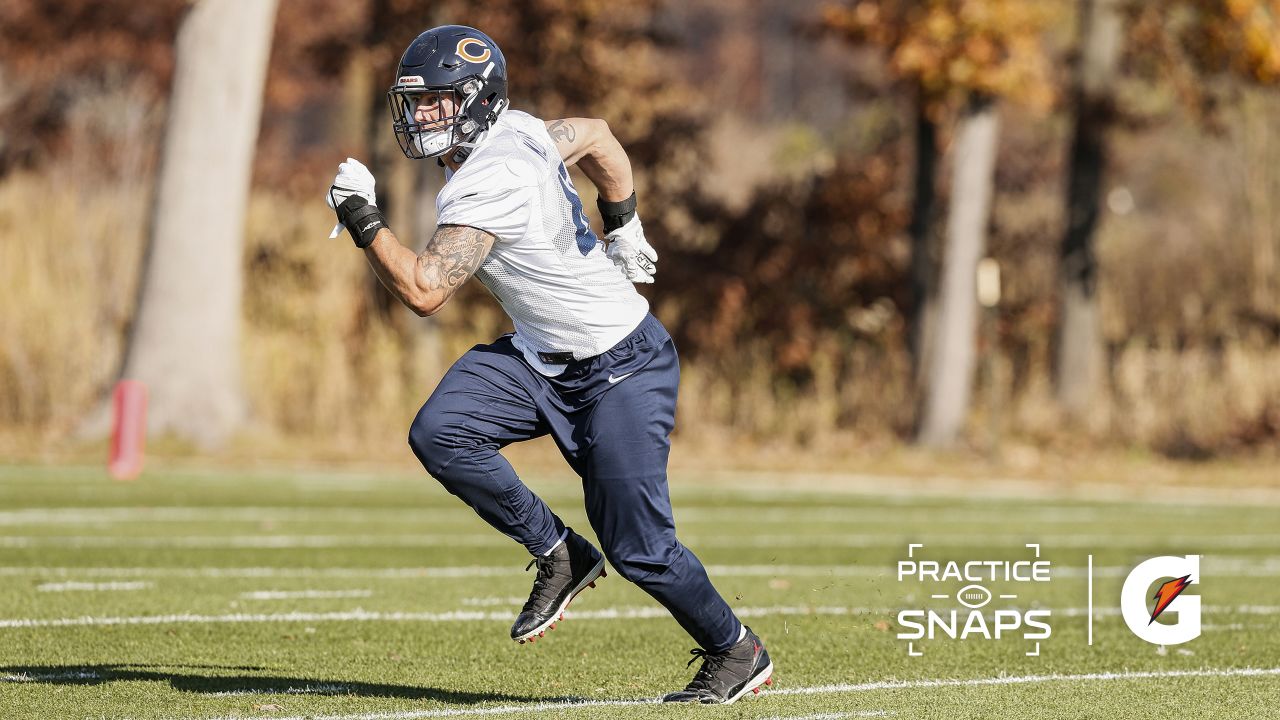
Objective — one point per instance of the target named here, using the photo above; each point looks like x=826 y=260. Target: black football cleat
x=572 y=567
x=725 y=677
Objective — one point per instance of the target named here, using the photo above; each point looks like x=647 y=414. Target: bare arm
x=426 y=282
x=591 y=145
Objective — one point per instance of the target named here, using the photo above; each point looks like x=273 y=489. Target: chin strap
x=465 y=147
x=464 y=152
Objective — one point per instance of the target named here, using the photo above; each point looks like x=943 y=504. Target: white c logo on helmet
x=479 y=56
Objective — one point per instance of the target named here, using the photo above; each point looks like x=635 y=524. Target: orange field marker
x=128 y=429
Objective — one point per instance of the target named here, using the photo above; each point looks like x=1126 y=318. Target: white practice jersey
x=547 y=267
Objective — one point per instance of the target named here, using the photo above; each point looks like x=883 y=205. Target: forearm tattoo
x=562 y=131
x=453 y=255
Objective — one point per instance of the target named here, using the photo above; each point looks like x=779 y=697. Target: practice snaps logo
x=973 y=580
x=1169 y=600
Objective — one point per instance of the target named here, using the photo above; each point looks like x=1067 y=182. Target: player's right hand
x=633 y=255
x=353 y=178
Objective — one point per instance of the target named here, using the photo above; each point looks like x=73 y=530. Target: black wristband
x=616 y=214
x=362 y=220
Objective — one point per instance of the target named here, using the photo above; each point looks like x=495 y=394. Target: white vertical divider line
x=1090 y=565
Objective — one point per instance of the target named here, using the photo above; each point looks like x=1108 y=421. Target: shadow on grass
x=203 y=682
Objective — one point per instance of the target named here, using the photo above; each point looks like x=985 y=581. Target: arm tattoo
x=453 y=255
x=562 y=131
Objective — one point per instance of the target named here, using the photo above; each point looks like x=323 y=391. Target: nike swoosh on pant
x=619 y=378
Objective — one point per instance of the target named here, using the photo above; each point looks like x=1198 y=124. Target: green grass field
x=208 y=595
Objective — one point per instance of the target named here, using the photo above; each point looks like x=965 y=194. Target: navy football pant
x=611 y=417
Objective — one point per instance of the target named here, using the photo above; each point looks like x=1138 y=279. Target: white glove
x=633 y=255
x=353 y=179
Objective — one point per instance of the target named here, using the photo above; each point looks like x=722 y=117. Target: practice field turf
x=292 y=595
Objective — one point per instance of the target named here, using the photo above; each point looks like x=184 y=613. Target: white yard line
x=1028 y=680
x=447 y=540
x=573 y=704
x=308 y=689
x=459 y=616
x=359 y=615
x=764 y=485
x=693 y=483
x=1212 y=565
x=492 y=601
x=835 y=715
x=304 y=594
x=1013 y=541
x=50 y=677
x=107 y=515
x=264 y=541
x=93 y=587
x=466 y=571
x=253 y=513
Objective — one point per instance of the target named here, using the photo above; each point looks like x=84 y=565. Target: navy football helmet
x=448 y=59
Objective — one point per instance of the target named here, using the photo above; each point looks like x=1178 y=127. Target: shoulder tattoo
x=562 y=131
x=454 y=253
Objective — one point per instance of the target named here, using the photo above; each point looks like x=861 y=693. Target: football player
x=587 y=363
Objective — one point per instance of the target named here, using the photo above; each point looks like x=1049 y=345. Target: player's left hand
x=353 y=179
x=633 y=255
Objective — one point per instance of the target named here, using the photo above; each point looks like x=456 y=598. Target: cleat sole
x=754 y=685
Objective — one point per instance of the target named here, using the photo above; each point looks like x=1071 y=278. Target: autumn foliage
x=952 y=48
x=789 y=307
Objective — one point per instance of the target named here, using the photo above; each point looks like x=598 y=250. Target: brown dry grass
x=322 y=364
x=332 y=374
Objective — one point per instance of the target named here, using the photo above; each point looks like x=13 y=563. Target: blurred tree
x=1191 y=46
x=953 y=354
x=1078 y=333
x=1241 y=38
x=885 y=26
x=185 y=343
x=924 y=265
x=55 y=53
x=960 y=56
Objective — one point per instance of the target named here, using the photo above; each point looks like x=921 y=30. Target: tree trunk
x=185 y=343
x=953 y=355
x=924 y=271
x=1078 y=338
x=1258 y=115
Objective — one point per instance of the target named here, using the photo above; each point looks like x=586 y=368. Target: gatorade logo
x=1177 y=573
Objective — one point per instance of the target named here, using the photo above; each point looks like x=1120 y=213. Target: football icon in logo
x=973 y=596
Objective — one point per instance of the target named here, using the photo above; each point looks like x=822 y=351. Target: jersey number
x=586 y=237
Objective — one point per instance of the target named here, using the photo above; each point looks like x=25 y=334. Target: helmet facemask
x=472 y=114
